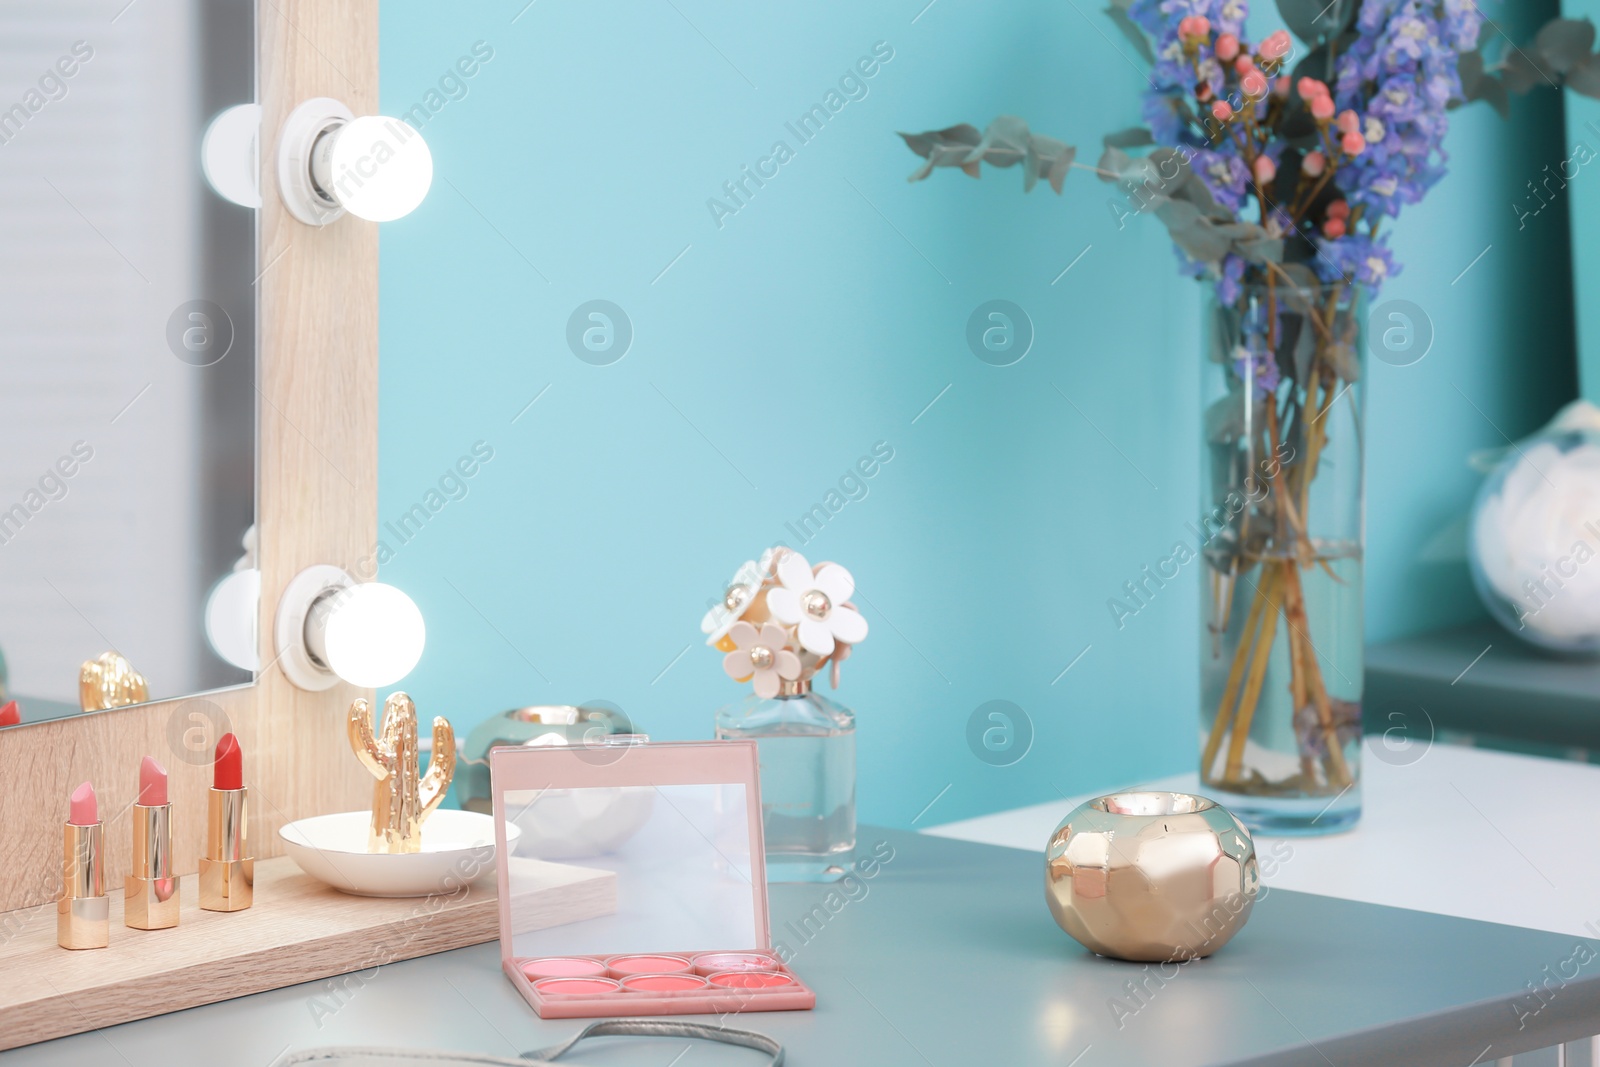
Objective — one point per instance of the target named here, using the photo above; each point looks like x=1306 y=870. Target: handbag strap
x=648 y=1028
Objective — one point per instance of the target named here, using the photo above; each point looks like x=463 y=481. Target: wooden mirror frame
x=316 y=502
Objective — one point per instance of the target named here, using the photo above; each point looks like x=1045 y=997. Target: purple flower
x=1357 y=258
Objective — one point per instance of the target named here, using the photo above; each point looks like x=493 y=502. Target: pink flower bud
x=1353 y=144
x=1276 y=45
x=1280 y=88
x=1314 y=164
x=1227 y=48
x=1339 y=209
x=1311 y=88
x=1202 y=26
x=1221 y=111
x=1349 y=122
x=1322 y=108
x=1334 y=228
x=1186 y=26
x=1265 y=170
x=1244 y=65
x=1254 y=85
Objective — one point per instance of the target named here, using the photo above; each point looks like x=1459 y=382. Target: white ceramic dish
x=457 y=849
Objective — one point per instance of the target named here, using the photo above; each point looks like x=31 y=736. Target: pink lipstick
x=227 y=873
x=151 y=896
x=83 y=914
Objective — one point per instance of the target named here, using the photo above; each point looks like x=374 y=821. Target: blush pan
x=709 y=963
x=751 y=980
x=623 y=966
x=575 y=986
x=564 y=967
x=663 y=983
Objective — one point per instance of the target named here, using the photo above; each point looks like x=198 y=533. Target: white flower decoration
x=1535 y=537
x=815 y=604
x=742 y=592
x=763 y=654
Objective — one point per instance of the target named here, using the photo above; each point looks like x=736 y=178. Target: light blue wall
x=1582 y=197
x=819 y=320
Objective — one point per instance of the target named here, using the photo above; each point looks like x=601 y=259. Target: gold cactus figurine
x=401 y=800
x=109 y=681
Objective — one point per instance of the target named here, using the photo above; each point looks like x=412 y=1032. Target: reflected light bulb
x=374 y=635
x=229 y=154
x=232 y=610
x=376 y=168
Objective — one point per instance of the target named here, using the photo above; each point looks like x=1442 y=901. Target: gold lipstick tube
x=150 y=898
x=227 y=872
x=83 y=914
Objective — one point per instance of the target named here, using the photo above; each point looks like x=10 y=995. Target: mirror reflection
x=127 y=356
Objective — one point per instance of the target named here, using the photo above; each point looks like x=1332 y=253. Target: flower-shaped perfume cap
x=762 y=654
x=815 y=604
x=743 y=592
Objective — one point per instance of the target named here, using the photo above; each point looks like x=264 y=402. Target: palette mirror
x=127 y=352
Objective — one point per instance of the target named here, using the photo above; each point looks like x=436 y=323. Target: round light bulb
x=374 y=635
x=228 y=154
x=231 y=613
x=377 y=168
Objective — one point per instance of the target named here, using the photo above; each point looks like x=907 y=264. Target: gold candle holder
x=401 y=799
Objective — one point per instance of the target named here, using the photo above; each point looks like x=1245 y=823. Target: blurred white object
x=230 y=154
x=1536 y=535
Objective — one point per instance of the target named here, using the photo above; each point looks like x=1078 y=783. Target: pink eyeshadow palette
x=564 y=967
x=580 y=991
x=633 y=882
x=709 y=963
x=623 y=966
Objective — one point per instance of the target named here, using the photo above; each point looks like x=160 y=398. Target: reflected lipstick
x=83 y=914
x=151 y=892
x=227 y=873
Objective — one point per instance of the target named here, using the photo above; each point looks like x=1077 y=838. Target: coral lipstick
x=151 y=892
x=227 y=873
x=83 y=914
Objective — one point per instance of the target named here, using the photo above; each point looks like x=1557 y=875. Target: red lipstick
x=151 y=892
x=83 y=914
x=228 y=770
x=227 y=872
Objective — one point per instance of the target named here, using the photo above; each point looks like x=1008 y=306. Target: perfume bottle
x=807 y=748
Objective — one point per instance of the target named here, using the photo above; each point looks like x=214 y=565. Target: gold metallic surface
x=150 y=896
x=401 y=799
x=226 y=885
x=227 y=874
x=83 y=914
x=109 y=681
x=1151 y=876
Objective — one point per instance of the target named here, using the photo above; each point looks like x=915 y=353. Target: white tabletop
x=1467 y=832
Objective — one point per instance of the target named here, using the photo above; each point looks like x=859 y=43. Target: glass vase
x=807 y=749
x=1281 y=532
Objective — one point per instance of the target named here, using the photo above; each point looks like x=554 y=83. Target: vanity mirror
x=114 y=229
x=128 y=351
